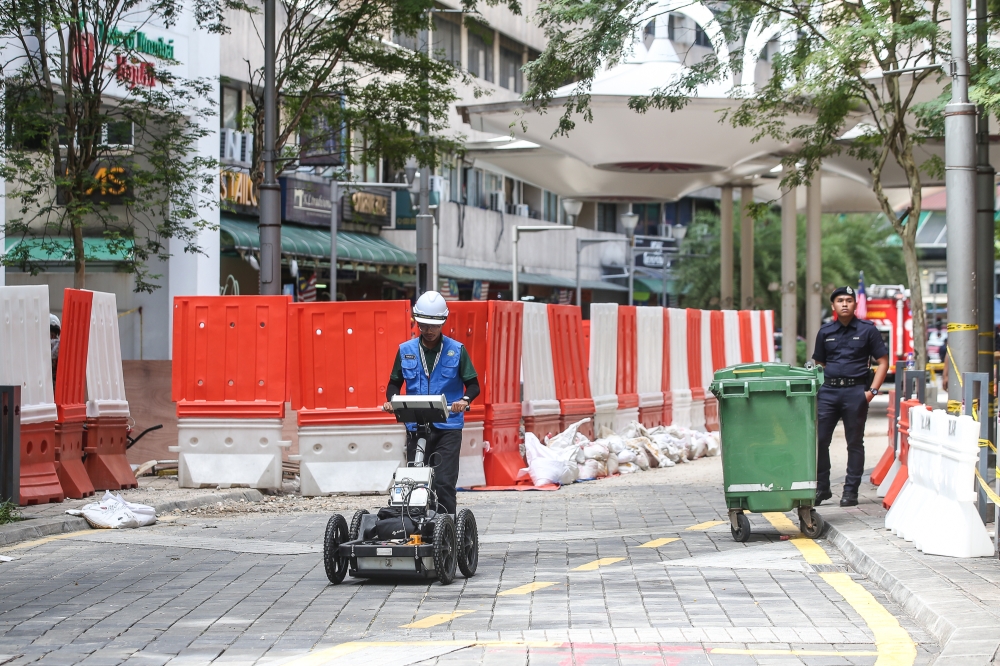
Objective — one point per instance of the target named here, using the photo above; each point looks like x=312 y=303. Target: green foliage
x=9 y=513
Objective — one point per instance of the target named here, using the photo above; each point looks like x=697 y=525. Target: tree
x=100 y=135
x=829 y=70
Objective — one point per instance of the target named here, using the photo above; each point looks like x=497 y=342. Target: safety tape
x=986 y=442
x=986 y=334
x=954 y=407
x=952 y=328
x=954 y=369
x=986 y=488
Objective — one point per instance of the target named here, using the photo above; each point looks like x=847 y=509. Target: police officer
x=434 y=364
x=844 y=348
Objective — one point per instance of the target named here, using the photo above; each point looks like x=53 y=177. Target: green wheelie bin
x=767 y=417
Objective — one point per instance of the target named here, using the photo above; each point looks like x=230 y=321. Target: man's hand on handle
x=459 y=406
x=387 y=407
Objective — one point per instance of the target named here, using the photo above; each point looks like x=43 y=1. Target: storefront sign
x=306 y=201
x=658 y=255
x=112 y=185
x=136 y=40
x=237 y=189
x=129 y=69
x=371 y=206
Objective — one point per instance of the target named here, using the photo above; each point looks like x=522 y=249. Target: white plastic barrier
x=470 y=463
x=105 y=379
x=604 y=363
x=731 y=320
x=649 y=342
x=755 y=336
x=349 y=458
x=537 y=371
x=936 y=507
x=25 y=352
x=679 y=384
x=229 y=452
x=768 y=333
x=707 y=353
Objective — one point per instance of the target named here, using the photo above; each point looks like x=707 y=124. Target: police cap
x=843 y=291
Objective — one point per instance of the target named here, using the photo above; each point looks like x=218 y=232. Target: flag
x=307 y=288
x=449 y=289
x=862 y=310
x=565 y=296
x=480 y=290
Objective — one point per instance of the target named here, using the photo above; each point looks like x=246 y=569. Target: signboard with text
x=369 y=206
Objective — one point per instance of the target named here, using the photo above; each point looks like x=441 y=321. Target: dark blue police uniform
x=846 y=352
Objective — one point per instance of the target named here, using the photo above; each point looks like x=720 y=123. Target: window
x=701 y=38
x=480 y=52
x=416 y=42
x=447 y=39
x=510 y=66
x=230 y=115
x=117 y=134
x=607 y=214
x=550 y=206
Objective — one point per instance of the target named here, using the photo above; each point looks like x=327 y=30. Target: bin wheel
x=468 y=542
x=445 y=547
x=355 y=532
x=336 y=534
x=742 y=533
x=817 y=524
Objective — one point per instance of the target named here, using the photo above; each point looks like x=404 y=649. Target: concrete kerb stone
x=961 y=626
x=36 y=528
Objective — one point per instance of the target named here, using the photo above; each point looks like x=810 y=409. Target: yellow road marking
x=797 y=653
x=591 y=566
x=435 y=620
x=706 y=525
x=894 y=645
x=526 y=589
x=656 y=543
x=320 y=657
x=44 y=540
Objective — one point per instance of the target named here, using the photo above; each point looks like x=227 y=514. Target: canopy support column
x=726 y=248
x=746 y=248
x=814 y=259
x=789 y=286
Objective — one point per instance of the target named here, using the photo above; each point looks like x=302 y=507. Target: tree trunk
x=79 y=260
x=916 y=296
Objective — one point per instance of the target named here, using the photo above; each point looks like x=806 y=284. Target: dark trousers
x=442 y=451
x=849 y=404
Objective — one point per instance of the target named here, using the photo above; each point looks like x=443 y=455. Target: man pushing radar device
x=418 y=534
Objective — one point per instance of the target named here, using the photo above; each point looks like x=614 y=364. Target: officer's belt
x=841 y=382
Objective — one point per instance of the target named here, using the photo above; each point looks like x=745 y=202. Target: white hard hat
x=431 y=308
x=54 y=321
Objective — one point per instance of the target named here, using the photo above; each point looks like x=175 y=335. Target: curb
x=959 y=624
x=34 y=528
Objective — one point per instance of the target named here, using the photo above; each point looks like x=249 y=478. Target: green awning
x=539 y=279
x=314 y=243
x=654 y=286
x=60 y=250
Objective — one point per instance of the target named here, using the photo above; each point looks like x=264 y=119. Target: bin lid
x=747 y=371
x=739 y=380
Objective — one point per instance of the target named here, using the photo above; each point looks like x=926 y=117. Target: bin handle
x=743 y=371
x=741 y=391
x=791 y=386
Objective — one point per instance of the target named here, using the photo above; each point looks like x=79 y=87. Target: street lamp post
x=629 y=222
x=270 y=191
x=518 y=229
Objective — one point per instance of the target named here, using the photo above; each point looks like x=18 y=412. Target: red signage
x=134 y=73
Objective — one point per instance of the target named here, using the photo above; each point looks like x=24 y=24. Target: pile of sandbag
x=570 y=456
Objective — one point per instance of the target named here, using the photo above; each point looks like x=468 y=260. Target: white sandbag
x=612 y=464
x=596 y=451
x=604 y=432
x=545 y=465
x=114 y=512
x=614 y=443
x=673 y=449
x=568 y=437
x=602 y=469
x=625 y=457
x=628 y=468
x=632 y=430
x=589 y=470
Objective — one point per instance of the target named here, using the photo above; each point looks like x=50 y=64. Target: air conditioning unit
x=522 y=210
x=497 y=201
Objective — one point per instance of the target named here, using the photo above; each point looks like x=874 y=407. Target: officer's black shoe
x=849 y=499
x=823 y=494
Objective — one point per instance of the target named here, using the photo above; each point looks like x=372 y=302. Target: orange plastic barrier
x=502 y=429
x=626 y=384
x=570 y=366
x=38 y=478
x=694 y=353
x=889 y=456
x=904 y=451
x=668 y=401
x=105 y=443
x=72 y=473
x=340 y=356
x=229 y=355
x=746 y=336
x=718 y=323
x=503 y=355
x=467 y=323
x=71 y=393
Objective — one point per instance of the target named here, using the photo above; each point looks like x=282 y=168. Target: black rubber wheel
x=336 y=534
x=817 y=528
x=468 y=542
x=742 y=534
x=445 y=547
x=355 y=531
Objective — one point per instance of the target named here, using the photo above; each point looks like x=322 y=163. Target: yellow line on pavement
x=320 y=657
x=434 y=620
x=44 y=540
x=796 y=653
x=894 y=645
x=705 y=525
x=526 y=589
x=591 y=566
x=656 y=543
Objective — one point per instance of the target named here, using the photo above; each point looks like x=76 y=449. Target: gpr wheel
x=336 y=534
x=355 y=531
x=468 y=543
x=817 y=525
x=445 y=558
x=741 y=533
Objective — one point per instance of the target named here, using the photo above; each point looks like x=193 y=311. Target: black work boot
x=822 y=494
x=849 y=499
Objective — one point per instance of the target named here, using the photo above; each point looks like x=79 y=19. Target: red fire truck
x=889 y=310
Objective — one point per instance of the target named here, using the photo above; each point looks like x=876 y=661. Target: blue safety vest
x=442 y=378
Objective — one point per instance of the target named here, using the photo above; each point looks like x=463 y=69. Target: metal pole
x=334 y=212
x=513 y=278
x=579 y=287
x=270 y=191
x=631 y=267
x=726 y=248
x=789 y=288
x=960 y=181
x=814 y=260
x=746 y=248
x=10 y=443
x=425 y=236
x=974 y=383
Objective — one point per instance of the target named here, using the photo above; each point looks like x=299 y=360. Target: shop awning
x=504 y=277
x=654 y=286
x=240 y=234
x=61 y=249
